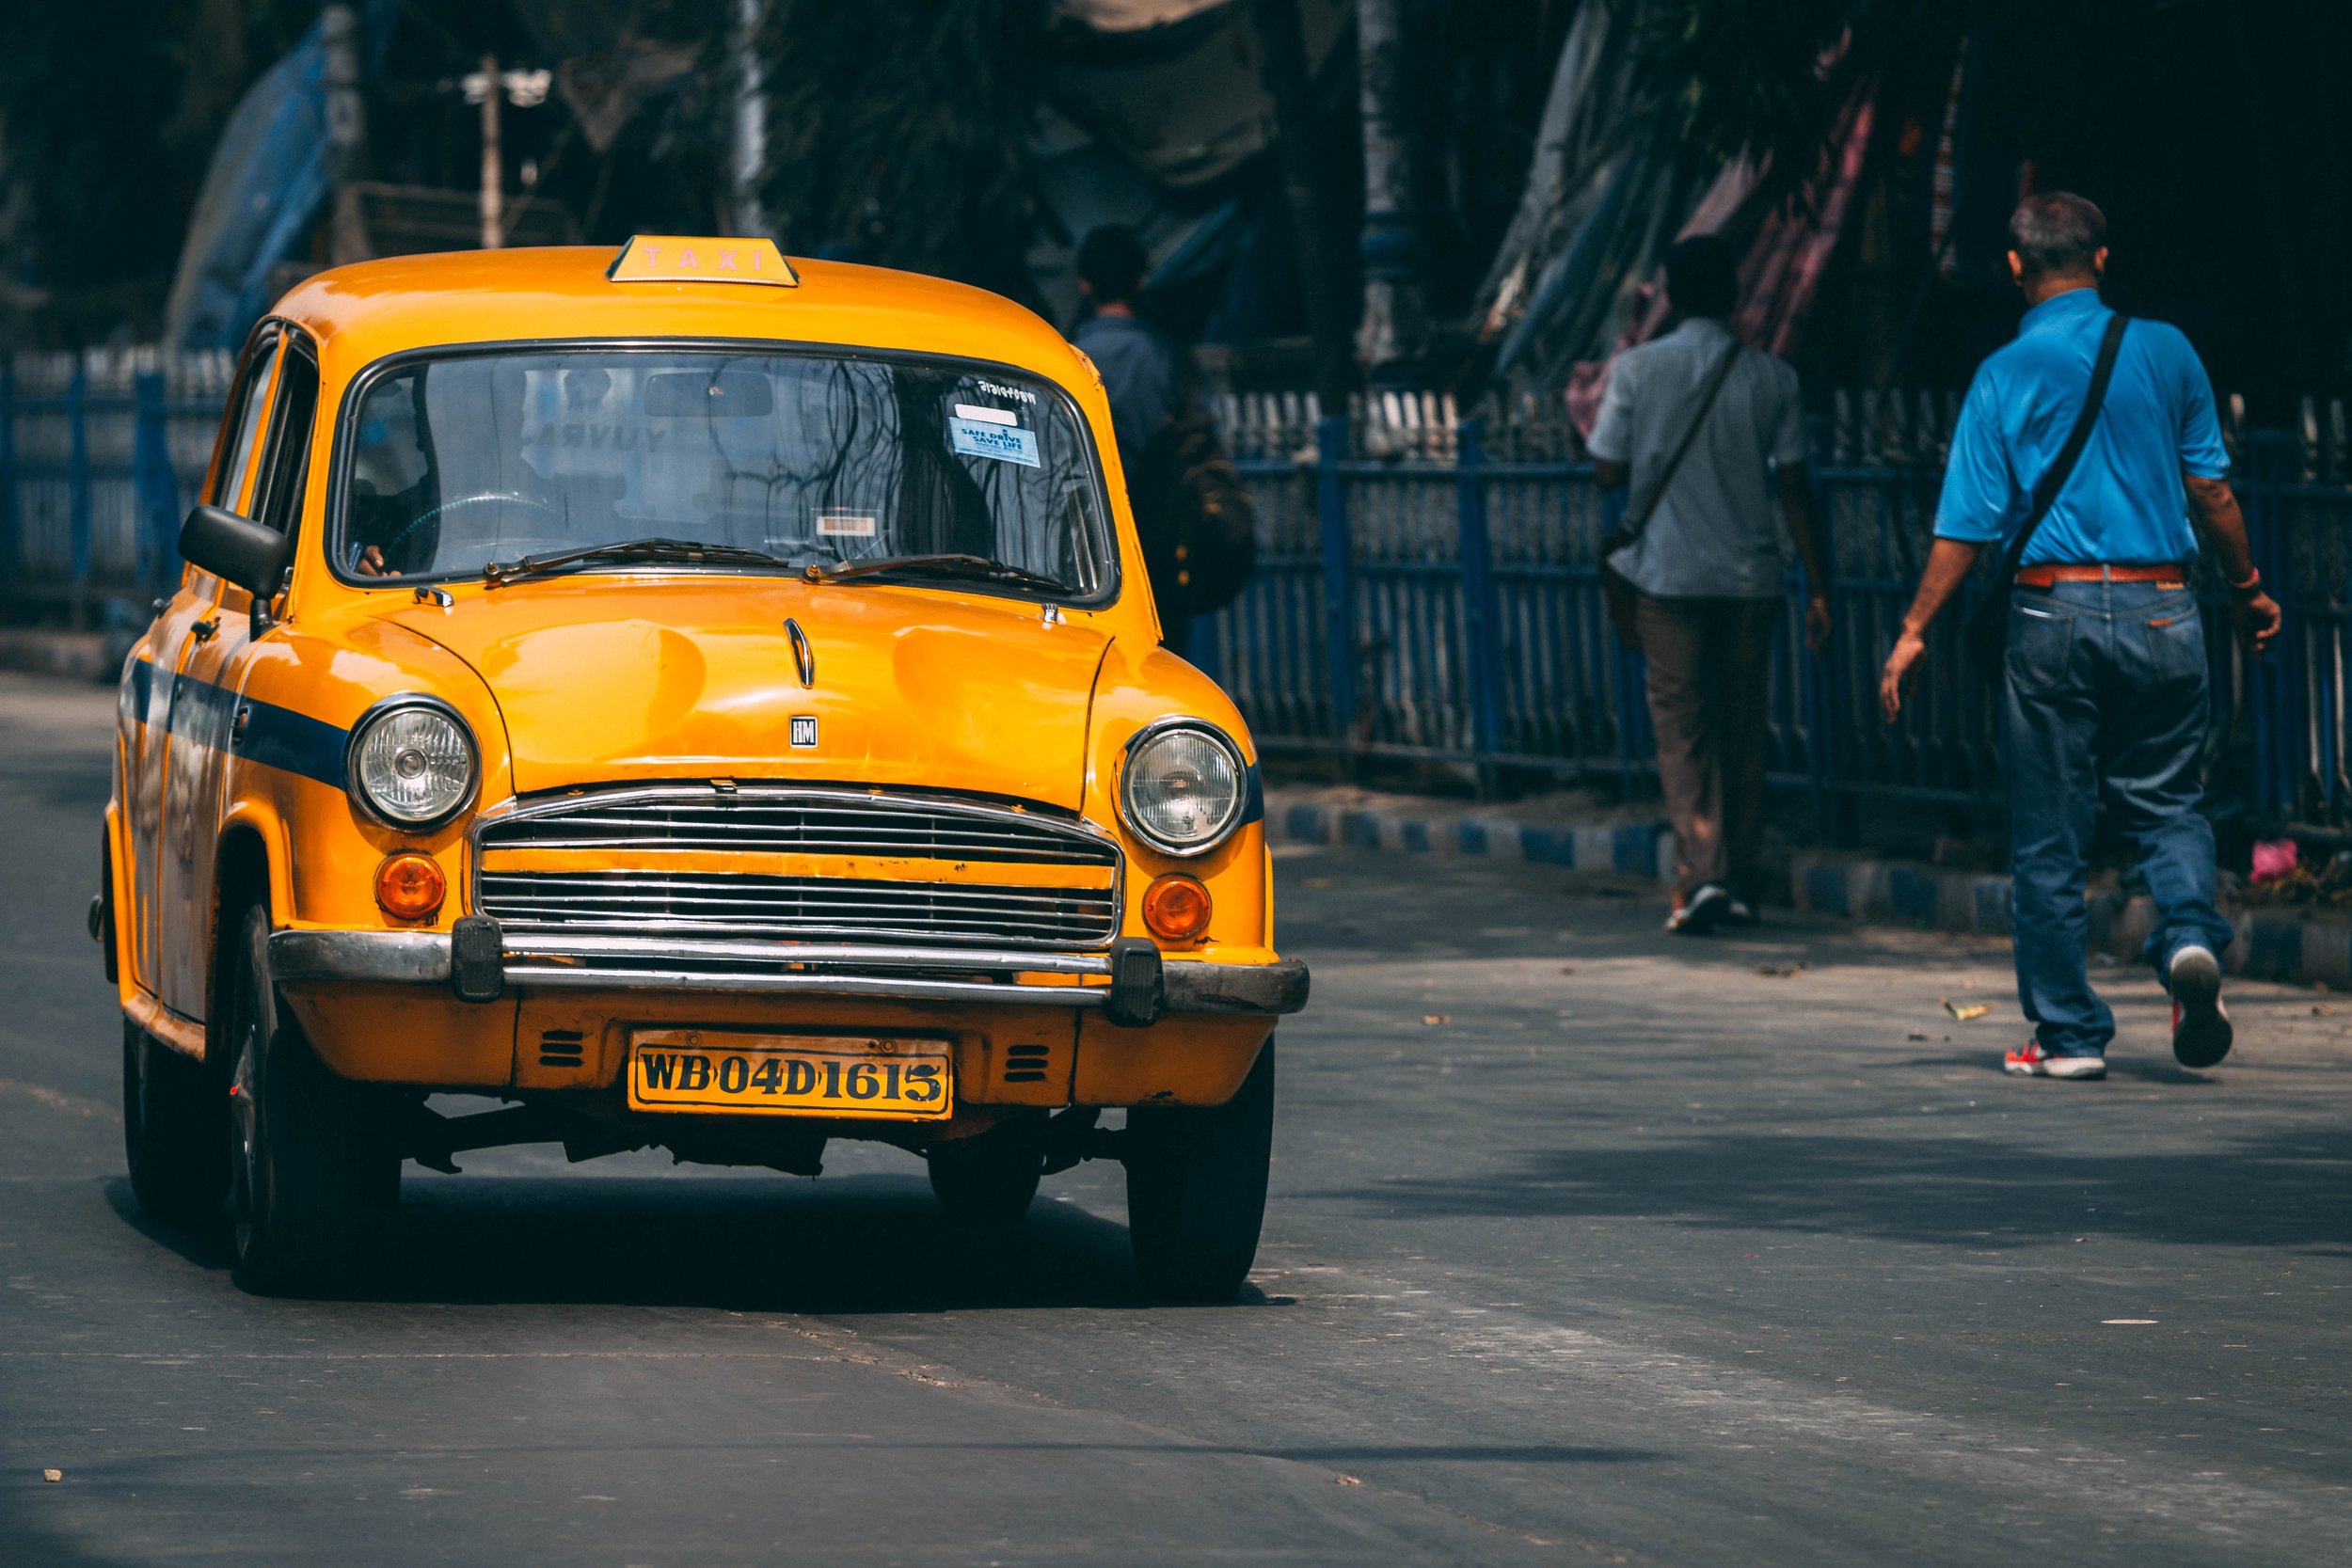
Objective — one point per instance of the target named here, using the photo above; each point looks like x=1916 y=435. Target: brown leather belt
x=2042 y=576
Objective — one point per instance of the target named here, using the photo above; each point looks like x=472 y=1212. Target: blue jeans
x=2106 y=690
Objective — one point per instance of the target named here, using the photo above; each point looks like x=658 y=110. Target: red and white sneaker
x=2201 y=1024
x=2030 y=1061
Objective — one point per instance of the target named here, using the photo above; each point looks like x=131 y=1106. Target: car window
x=242 y=422
x=286 y=459
x=458 y=462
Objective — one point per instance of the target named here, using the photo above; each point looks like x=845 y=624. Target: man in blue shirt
x=2105 y=682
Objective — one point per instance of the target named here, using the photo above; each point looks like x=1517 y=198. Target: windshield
x=459 y=462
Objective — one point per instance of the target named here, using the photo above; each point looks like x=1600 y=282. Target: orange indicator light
x=1176 y=908
x=409 y=886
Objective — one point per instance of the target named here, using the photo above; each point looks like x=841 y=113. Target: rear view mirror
x=721 y=394
x=235 y=550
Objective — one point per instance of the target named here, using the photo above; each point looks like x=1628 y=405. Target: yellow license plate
x=688 y=1070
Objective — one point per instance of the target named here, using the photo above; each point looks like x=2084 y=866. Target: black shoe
x=2201 y=1024
x=1700 y=913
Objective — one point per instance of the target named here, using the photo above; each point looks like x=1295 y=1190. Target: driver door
x=209 y=680
x=152 y=686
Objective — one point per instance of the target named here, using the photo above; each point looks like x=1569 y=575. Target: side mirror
x=235 y=550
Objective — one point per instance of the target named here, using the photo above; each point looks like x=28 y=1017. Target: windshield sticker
x=834 y=523
x=1002 y=442
x=1016 y=393
x=986 y=416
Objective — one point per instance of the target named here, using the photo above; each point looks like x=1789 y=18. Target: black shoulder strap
x=2054 y=477
x=1635 y=522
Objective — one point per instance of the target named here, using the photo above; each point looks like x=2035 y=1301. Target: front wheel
x=175 y=1130
x=297 y=1160
x=1196 y=1189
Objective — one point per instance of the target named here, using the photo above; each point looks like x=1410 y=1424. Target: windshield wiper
x=634 y=549
x=979 y=566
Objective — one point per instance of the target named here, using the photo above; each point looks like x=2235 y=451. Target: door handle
x=203 y=631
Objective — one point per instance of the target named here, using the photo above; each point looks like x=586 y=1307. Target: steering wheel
x=511 y=498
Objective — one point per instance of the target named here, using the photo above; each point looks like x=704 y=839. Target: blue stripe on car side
x=206 y=713
x=202 y=711
x=295 y=742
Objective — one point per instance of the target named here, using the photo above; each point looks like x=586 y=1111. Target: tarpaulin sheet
x=262 y=193
x=1780 y=274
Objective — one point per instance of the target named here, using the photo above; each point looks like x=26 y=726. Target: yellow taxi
x=707 y=702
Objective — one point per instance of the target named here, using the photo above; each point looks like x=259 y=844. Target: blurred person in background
x=1145 y=375
x=1707 y=433
x=2083 y=449
x=1194 y=520
x=1144 y=372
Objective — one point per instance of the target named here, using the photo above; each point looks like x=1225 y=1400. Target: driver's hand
x=371 y=563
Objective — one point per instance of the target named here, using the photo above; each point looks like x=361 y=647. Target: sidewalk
x=2275 y=943
x=47 y=651
x=1570 y=829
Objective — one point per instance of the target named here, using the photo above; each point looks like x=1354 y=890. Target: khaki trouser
x=1709 y=669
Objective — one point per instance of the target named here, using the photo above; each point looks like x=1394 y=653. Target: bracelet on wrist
x=2253 y=580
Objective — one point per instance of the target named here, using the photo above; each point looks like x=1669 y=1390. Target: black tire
x=986 y=1181
x=297 y=1159
x=175 y=1130
x=1195 y=1190
x=379 y=1175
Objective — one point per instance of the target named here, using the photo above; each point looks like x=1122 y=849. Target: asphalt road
x=1585 y=1244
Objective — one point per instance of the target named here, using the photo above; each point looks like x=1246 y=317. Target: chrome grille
x=636 y=844
x=784 y=822
x=796 y=907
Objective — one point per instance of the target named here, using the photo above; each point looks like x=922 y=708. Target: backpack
x=1198 y=523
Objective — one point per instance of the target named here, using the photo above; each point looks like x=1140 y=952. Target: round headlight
x=412 y=763
x=1182 y=792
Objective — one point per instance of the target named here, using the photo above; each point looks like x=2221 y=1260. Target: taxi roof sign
x=701 y=259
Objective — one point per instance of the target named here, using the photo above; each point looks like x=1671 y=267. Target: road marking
x=56 y=1102
x=1733 y=1401
x=892 y=1359
x=183 y=1358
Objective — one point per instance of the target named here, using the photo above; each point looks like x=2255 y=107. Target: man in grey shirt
x=1708 y=565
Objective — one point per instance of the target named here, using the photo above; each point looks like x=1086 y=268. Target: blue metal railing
x=100 y=456
x=1450 y=608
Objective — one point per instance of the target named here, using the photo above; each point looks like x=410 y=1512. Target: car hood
x=601 y=680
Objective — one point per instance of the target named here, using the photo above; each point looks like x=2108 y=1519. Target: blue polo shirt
x=2124 y=504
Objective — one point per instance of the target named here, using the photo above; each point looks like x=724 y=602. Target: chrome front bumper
x=798 y=969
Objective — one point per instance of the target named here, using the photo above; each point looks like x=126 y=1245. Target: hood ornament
x=804 y=656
